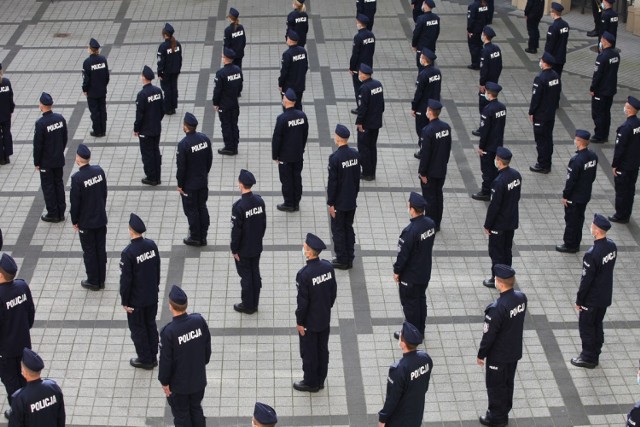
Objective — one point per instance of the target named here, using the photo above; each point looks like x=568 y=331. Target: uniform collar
x=415 y=218
x=313 y=261
x=506 y=292
x=245 y=195
x=181 y=316
x=84 y=166
x=47 y=112
x=137 y=238
x=503 y=169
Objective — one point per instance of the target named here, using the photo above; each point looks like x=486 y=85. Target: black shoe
x=481 y=196
x=489 y=283
x=473 y=67
x=48 y=218
x=85 y=284
x=96 y=135
x=614 y=218
x=396 y=335
x=354 y=111
x=531 y=50
x=296 y=208
x=3 y=162
x=566 y=250
x=486 y=422
x=240 y=308
x=101 y=286
x=170 y=113
x=203 y=242
x=368 y=177
x=226 y=152
x=537 y=169
x=417 y=155
x=7 y=413
x=148 y=181
x=189 y=241
x=301 y=386
x=598 y=140
x=437 y=228
x=593 y=33
x=7 y=160
x=286 y=208
x=136 y=363
x=580 y=363
x=340 y=265
x=476 y=132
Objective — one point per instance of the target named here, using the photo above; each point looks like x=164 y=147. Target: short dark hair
x=178 y=307
x=418 y=210
x=191 y=128
x=9 y=277
x=410 y=347
x=435 y=112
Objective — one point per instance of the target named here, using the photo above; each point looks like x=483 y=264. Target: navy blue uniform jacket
x=557 y=37
x=317 y=289
x=95 y=76
x=503 y=328
x=344 y=178
x=88 y=197
x=17 y=313
x=50 y=140
x=248 y=225
x=596 y=284
x=626 y=155
x=235 y=38
x=169 y=62
x=435 y=141
x=228 y=87
x=293 y=71
x=370 y=104
x=581 y=173
x=194 y=159
x=140 y=273
x=545 y=96
x=290 y=136
x=502 y=213
x=492 y=123
x=415 y=247
x=605 y=73
x=39 y=403
x=428 y=87
x=364 y=46
x=426 y=31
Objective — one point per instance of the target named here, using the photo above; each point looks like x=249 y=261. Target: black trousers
x=573 y=220
x=601 y=115
x=291 y=180
x=413 y=298
x=187 y=409
x=6 y=140
x=53 y=191
x=229 y=125
x=421 y=121
x=499 y=379
x=543 y=135
x=356 y=84
x=314 y=351
x=475 y=48
x=98 y=110
x=534 y=33
x=94 y=253
x=591 y=332
x=558 y=69
x=11 y=376
x=344 y=238
x=432 y=193
x=597 y=14
x=169 y=85
x=238 y=62
x=194 y=204
x=250 y=281
x=367 y=141
x=625 y=185
x=151 y=158
x=144 y=332
x=1 y=240
x=500 y=246
x=489 y=171
x=482 y=102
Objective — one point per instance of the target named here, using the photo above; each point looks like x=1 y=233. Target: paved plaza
x=83 y=336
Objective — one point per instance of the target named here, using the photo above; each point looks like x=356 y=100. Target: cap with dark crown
x=557 y=7
x=583 y=134
x=93 y=44
x=342 y=131
x=428 y=53
x=417 y=201
x=504 y=271
x=601 y=222
x=504 y=153
x=362 y=18
x=609 y=37
x=488 y=31
x=8 y=264
x=314 y=242
x=366 y=69
x=293 y=35
x=136 y=223
x=148 y=73
x=234 y=12
x=548 y=58
x=32 y=360
x=246 y=177
x=493 y=87
x=177 y=295
x=264 y=414
x=634 y=102
x=410 y=334
x=168 y=28
x=190 y=119
x=290 y=94
x=434 y=104
x=46 y=99
x=83 y=151
x=229 y=53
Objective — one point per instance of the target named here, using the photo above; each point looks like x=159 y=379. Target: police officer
x=364 y=46
x=139 y=288
x=368 y=9
x=248 y=224
x=169 y=66
x=194 y=158
x=477 y=19
x=17 y=313
x=7 y=106
x=40 y=402
x=264 y=415
x=545 y=99
x=95 y=78
x=185 y=350
x=412 y=269
x=88 y=198
x=428 y=86
x=426 y=31
x=227 y=90
x=287 y=150
x=493 y=121
x=502 y=215
x=298 y=22
x=407 y=382
x=235 y=37
x=557 y=37
x=633 y=417
x=581 y=173
x=148 y=126
x=435 y=152
x=49 y=142
x=369 y=121
x=501 y=346
x=626 y=161
x=416 y=9
x=609 y=20
x=604 y=86
x=293 y=72
x=317 y=288
x=490 y=67
x=342 y=191
x=533 y=12
x=594 y=294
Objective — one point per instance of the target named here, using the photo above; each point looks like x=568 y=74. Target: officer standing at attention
x=298 y=22
x=227 y=90
x=412 y=269
x=17 y=313
x=407 y=382
x=426 y=32
x=248 y=225
x=293 y=72
x=501 y=346
x=169 y=66
x=545 y=99
x=604 y=86
x=369 y=121
x=477 y=19
x=264 y=415
x=49 y=142
x=6 y=110
x=364 y=46
x=502 y=215
x=581 y=173
x=317 y=288
x=367 y=8
x=95 y=78
x=139 y=288
x=557 y=38
x=148 y=126
x=533 y=12
x=435 y=152
x=88 y=198
x=490 y=67
x=609 y=20
x=595 y=292
x=40 y=402
x=428 y=86
x=194 y=158
x=342 y=191
x=185 y=350
x=287 y=150
x=235 y=38
x=626 y=161
x=493 y=121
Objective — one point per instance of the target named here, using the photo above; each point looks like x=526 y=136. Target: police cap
x=504 y=153
x=634 y=102
x=434 y=104
x=314 y=242
x=548 y=58
x=557 y=7
x=430 y=3
x=229 y=53
x=609 y=37
x=148 y=73
x=493 y=87
x=610 y=1
x=190 y=119
x=31 y=360
x=364 y=68
x=234 y=12
x=246 y=177
x=168 y=28
x=290 y=94
x=83 y=151
x=488 y=31
x=601 y=222
x=583 y=134
x=45 y=99
x=410 y=334
x=93 y=44
x=428 y=53
x=300 y=1
x=504 y=271
x=136 y=224
x=293 y=35
x=177 y=295
x=8 y=264
x=264 y=414
x=363 y=19
x=417 y=201
x=342 y=131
